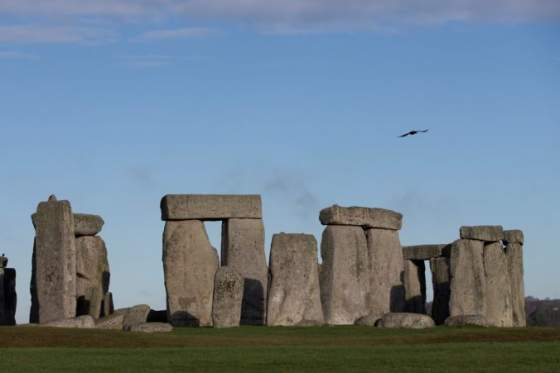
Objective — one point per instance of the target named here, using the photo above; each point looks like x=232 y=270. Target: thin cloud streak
x=181 y=33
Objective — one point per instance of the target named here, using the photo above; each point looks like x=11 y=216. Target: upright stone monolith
x=53 y=284
x=514 y=252
x=415 y=286
x=442 y=291
x=189 y=264
x=294 y=294
x=8 y=296
x=93 y=276
x=243 y=251
x=228 y=298
x=344 y=273
x=498 y=287
x=468 y=280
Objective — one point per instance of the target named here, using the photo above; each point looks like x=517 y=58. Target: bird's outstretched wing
x=424 y=131
x=405 y=134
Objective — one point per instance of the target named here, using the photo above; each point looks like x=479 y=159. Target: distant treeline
x=542 y=312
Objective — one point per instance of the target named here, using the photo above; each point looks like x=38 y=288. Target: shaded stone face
x=344 y=277
x=8 y=296
x=487 y=233
x=243 y=251
x=468 y=280
x=54 y=263
x=514 y=254
x=228 y=298
x=406 y=320
x=87 y=225
x=93 y=276
x=210 y=207
x=415 y=286
x=189 y=264
x=514 y=236
x=294 y=295
x=498 y=288
x=361 y=216
x=441 y=285
x=386 y=272
x=425 y=252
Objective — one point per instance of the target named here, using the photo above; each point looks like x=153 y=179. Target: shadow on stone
x=183 y=318
x=253 y=307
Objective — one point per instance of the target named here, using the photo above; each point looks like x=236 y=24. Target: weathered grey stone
x=514 y=236
x=361 y=216
x=87 y=224
x=406 y=320
x=468 y=281
x=152 y=327
x=92 y=269
x=8 y=296
x=107 y=307
x=424 y=252
x=487 y=233
x=441 y=285
x=294 y=295
x=386 y=272
x=134 y=316
x=189 y=264
x=514 y=254
x=466 y=320
x=80 y=322
x=344 y=274
x=243 y=251
x=3 y=261
x=369 y=320
x=415 y=286
x=228 y=298
x=53 y=280
x=114 y=321
x=210 y=207
x=498 y=287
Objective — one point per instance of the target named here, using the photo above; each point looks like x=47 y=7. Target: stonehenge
x=364 y=275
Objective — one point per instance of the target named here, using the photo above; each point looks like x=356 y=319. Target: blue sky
x=112 y=104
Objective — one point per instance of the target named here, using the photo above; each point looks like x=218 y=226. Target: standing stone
x=107 y=307
x=441 y=286
x=228 y=298
x=294 y=295
x=53 y=285
x=8 y=296
x=243 y=251
x=92 y=268
x=468 y=281
x=514 y=253
x=386 y=272
x=361 y=216
x=189 y=265
x=415 y=286
x=498 y=287
x=344 y=274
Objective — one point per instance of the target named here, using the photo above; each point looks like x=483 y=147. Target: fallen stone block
x=53 y=279
x=468 y=280
x=80 y=322
x=93 y=275
x=189 y=264
x=415 y=286
x=406 y=321
x=243 y=251
x=425 y=252
x=498 y=288
x=111 y=322
x=466 y=320
x=134 y=316
x=514 y=236
x=361 y=216
x=210 y=207
x=294 y=294
x=87 y=224
x=486 y=233
x=152 y=327
x=228 y=298
x=386 y=272
x=344 y=277
x=442 y=289
x=369 y=320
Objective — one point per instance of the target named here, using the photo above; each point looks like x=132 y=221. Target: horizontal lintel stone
x=361 y=216
x=87 y=224
x=425 y=252
x=487 y=233
x=514 y=236
x=210 y=207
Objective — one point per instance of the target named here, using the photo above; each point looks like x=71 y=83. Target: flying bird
x=413 y=132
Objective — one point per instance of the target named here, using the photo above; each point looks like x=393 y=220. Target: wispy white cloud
x=52 y=34
x=179 y=33
x=15 y=55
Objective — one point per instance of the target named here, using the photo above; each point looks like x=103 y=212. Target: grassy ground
x=254 y=349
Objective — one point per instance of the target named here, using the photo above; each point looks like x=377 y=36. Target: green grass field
x=259 y=349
